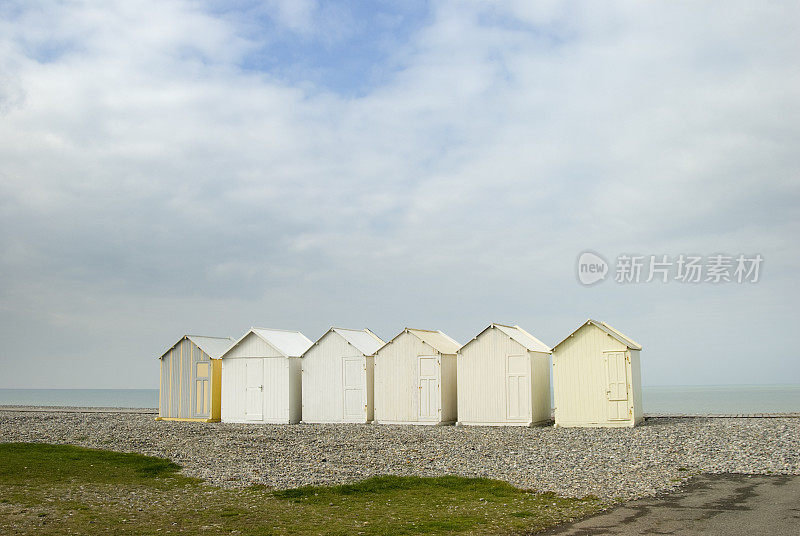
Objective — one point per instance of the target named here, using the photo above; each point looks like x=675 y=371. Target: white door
x=254 y=390
x=518 y=388
x=617 y=391
x=428 y=368
x=353 y=382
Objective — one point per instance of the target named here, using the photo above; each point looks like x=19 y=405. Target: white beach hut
x=261 y=377
x=504 y=378
x=597 y=378
x=338 y=376
x=415 y=379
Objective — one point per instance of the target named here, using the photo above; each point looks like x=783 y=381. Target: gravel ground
x=607 y=462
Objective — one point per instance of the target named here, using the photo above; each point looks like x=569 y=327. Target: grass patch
x=40 y=462
x=392 y=484
x=61 y=489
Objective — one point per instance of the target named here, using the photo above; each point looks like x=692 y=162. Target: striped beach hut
x=190 y=379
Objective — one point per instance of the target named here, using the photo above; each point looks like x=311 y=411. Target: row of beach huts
x=500 y=377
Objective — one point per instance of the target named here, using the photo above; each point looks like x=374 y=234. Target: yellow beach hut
x=190 y=380
x=597 y=378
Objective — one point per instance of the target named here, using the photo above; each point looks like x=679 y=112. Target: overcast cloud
x=170 y=167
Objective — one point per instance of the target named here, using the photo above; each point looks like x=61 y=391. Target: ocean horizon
x=655 y=399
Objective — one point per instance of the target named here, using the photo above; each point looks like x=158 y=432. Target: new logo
x=592 y=268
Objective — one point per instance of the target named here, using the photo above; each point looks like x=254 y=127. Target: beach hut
x=189 y=379
x=504 y=378
x=415 y=379
x=338 y=376
x=597 y=378
x=261 y=377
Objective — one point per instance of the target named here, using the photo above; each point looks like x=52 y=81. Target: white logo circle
x=592 y=268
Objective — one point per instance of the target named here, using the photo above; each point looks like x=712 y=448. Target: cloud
x=174 y=166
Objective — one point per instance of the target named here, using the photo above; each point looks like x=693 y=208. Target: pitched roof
x=437 y=340
x=363 y=340
x=213 y=346
x=289 y=343
x=518 y=334
x=624 y=339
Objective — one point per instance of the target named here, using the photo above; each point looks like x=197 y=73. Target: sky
x=171 y=167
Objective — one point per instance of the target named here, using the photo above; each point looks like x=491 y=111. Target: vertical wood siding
x=397 y=380
x=178 y=396
x=482 y=379
x=580 y=379
x=370 y=363
x=280 y=396
x=174 y=381
x=295 y=394
x=323 y=391
x=540 y=396
x=216 y=389
x=449 y=388
x=232 y=398
x=636 y=385
x=164 y=394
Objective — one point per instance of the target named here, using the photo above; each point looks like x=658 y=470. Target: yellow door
x=202 y=391
x=617 y=390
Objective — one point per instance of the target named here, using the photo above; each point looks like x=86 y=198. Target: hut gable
x=262 y=342
x=362 y=340
x=436 y=340
x=518 y=335
x=615 y=334
x=213 y=347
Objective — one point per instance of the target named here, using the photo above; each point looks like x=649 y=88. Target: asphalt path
x=709 y=505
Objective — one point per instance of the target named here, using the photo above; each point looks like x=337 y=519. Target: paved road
x=710 y=505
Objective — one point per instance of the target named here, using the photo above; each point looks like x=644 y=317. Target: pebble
x=616 y=463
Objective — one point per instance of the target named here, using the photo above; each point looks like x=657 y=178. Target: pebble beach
x=611 y=463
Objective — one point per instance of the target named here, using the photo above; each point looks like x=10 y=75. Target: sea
x=656 y=399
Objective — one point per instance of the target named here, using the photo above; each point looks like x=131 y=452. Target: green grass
x=49 y=489
x=386 y=484
x=40 y=462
